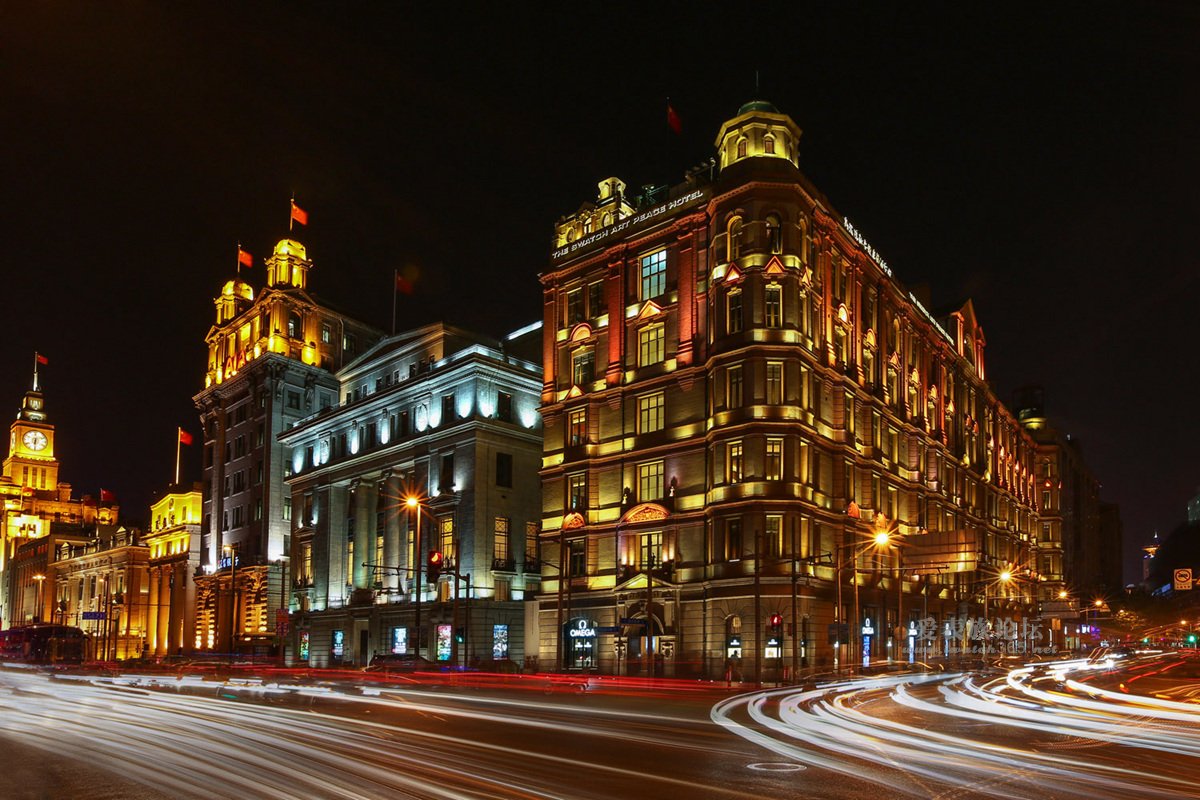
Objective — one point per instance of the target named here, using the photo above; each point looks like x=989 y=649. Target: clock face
x=35 y=440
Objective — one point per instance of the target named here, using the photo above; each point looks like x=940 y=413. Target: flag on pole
x=107 y=497
x=403 y=284
x=184 y=437
x=244 y=258
x=299 y=214
x=41 y=359
x=673 y=120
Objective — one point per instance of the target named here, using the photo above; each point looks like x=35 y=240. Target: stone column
x=364 y=528
x=394 y=509
x=152 y=616
x=166 y=609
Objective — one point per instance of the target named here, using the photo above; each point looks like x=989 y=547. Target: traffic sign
x=632 y=621
x=608 y=629
x=93 y=615
x=1183 y=580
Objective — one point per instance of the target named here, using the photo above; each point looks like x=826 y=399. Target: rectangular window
x=733 y=539
x=650 y=482
x=446 y=536
x=446 y=476
x=774 y=305
x=287 y=508
x=733 y=462
x=583 y=364
x=651 y=345
x=733 y=305
x=733 y=387
x=504 y=470
x=574 y=307
x=531 y=541
x=650 y=550
x=504 y=406
x=500 y=534
x=576 y=427
x=775 y=382
x=293 y=400
x=448 y=415
x=595 y=299
x=654 y=274
x=326 y=333
x=576 y=558
x=650 y=412
x=774 y=460
x=773 y=535
x=379 y=549
x=577 y=491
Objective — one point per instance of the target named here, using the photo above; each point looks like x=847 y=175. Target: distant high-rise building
x=1079 y=538
x=272 y=356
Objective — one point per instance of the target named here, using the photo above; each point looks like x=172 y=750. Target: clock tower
x=31 y=463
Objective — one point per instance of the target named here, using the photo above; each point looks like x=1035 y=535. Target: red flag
x=299 y=214
x=41 y=359
x=244 y=258
x=673 y=120
x=184 y=437
x=403 y=284
x=107 y=497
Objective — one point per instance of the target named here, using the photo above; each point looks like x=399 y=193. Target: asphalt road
x=1027 y=733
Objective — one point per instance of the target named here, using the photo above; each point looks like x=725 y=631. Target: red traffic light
x=435 y=557
x=776 y=619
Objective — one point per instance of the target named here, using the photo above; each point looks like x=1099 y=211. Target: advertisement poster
x=444 y=639
x=499 y=642
x=399 y=641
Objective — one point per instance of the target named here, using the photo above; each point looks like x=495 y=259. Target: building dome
x=238 y=288
x=758 y=105
x=290 y=247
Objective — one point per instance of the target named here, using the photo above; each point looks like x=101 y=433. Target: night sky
x=1041 y=159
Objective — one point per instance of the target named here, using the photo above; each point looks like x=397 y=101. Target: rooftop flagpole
x=178 y=444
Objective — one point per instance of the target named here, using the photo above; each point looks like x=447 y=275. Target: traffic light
x=1191 y=638
x=460 y=634
x=776 y=625
x=433 y=566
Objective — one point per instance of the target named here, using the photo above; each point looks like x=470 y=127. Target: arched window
x=769 y=145
x=295 y=326
x=587 y=225
x=741 y=148
x=774 y=233
x=733 y=235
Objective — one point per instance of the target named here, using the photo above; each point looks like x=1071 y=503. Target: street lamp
x=1003 y=579
x=40 y=578
x=414 y=504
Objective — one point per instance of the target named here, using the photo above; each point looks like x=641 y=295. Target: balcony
x=504 y=565
x=533 y=564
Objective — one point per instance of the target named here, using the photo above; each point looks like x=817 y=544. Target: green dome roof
x=758 y=105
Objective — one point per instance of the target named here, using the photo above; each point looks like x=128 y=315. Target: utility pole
x=758 y=650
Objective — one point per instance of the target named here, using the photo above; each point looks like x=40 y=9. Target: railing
x=504 y=565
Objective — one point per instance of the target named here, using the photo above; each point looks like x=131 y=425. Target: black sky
x=1040 y=158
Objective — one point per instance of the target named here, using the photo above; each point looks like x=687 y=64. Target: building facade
x=174 y=543
x=35 y=504
x=272 y=356
x=434 y=449
x=100 y=585
x=762 y=452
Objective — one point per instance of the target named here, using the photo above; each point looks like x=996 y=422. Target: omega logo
x=581 y=630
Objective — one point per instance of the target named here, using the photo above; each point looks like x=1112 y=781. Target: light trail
x=950 y=735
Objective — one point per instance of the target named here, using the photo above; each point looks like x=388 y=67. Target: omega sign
x=583 y=630
x=626 y=224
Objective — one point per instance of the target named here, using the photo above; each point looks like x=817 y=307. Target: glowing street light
x=40 y=578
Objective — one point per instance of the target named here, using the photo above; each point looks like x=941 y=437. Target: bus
x=43 y=644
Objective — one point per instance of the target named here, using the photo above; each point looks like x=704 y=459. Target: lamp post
x=414 y=504
x=1003 y=579
x=40 y=578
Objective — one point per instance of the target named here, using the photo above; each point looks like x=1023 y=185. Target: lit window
x=654 y=274
x=733 y=236
x=650 y=412
x=774 y=382
x=583 y=367
x=733 y=462
x=774 y=459
x=734 y=307
x=769 y=145
x=650 y=482
x=773 y=535
x=446 y=536
x=774 y=305
x=650 y=550
x=500 y=529
x=574 y=307
x=741 y=148
x=577 y=491
x=576 y=427
x=650 y=345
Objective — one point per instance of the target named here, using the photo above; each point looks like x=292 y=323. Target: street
x=1043 y=731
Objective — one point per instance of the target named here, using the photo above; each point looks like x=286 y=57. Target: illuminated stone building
x=1079 y=537
x=449 y=419
x=739 y=396
x=100 y=585
x=37 y=504
x=272 y=356
x=174 y=542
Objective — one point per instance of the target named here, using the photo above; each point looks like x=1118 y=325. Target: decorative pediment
x=573 y=520
x=649 y=309
x=843 y=315
x=774 y=267
x=645 y=512
x=581 y=332
x=733 y=274
x=869 y=339
x=574 y=392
